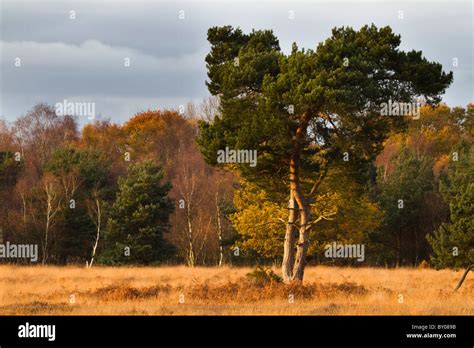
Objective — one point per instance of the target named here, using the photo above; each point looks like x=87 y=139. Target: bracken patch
x=125 y=292
x=35 y=308
x=248 y=291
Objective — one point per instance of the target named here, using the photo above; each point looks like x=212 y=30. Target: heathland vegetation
x=181 y=290
x=329 y=167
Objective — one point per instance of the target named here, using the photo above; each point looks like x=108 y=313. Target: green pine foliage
x=79 y=172
x=453 y=241
x=9 y=169
x=305 y=111
x=139 y=218
x=401 y=195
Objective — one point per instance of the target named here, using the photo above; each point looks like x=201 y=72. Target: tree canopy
x=304 y=111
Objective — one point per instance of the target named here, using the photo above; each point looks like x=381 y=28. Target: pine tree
x=139 y=218
x=401 y=195
x=79 y=173
x=453 y=241
x=304 y=111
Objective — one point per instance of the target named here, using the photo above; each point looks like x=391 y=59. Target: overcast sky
x=82 y=59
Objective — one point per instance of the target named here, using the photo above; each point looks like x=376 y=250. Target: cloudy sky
x=82 y=59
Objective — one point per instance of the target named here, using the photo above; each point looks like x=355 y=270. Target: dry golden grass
x=226 y=291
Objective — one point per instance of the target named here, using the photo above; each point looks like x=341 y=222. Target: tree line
x=136 y=193
x=141 y=193
x=330 y=168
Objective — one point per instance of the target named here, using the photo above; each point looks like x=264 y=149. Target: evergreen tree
x=453 y=241
x=10 y=171
x=304 y=111
x=139 y=218
x=79 y=172
x=401 y=195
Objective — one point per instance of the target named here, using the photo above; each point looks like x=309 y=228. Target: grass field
x=180 y=290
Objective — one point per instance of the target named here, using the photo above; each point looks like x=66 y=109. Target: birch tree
x=52 y=205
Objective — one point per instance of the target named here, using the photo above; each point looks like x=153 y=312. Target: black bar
x=259 y=330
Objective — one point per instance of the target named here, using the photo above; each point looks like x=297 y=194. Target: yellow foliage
x=349 y=217
x=258 y=221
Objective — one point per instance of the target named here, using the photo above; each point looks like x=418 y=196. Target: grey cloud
x=93 y=67
x=83 y=58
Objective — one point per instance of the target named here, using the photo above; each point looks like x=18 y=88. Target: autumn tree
x=257 y=221
x=110 y=140
x=199 y=224
x=356 y=215
x=304 y=110
x=33 y=138
x=437 y=130
x=158 y=135
x=350 y=217
x=192 y=227
x=168 y=137
x=40 y=131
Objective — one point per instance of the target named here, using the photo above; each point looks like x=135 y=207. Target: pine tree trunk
x=303 y=240
x=294 y=258
x=290 y=236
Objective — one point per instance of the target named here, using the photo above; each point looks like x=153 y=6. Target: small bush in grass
x=261 y=276
x=424 y=265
